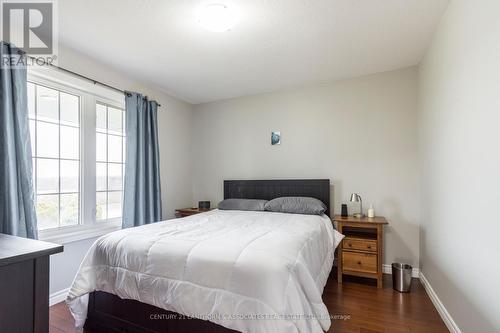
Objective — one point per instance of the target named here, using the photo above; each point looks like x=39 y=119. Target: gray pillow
x=242 y=204
x=296 y=205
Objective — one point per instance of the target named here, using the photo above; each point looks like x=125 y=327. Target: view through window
x=110 y=157
x=63 y=168
x=55 y=142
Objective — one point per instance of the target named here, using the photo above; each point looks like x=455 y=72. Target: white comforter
x=248 y=271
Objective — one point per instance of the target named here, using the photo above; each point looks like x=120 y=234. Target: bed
x=219 y=271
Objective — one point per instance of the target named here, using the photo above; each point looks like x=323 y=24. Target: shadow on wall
x=394 y=230
x=332 y=199
x=403 y=224
x=437 y=278
x=336 y=192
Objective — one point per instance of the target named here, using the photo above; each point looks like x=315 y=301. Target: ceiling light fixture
x=216 y=17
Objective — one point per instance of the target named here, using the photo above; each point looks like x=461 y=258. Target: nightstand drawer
x=359 y=262
x=359 y=244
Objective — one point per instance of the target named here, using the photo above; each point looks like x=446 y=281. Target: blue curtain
x=17 y=208
x=142 y=192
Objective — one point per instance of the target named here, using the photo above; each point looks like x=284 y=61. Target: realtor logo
x=30 y=26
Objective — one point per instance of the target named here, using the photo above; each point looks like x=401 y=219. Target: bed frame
x=108 y=313
x=270 y=189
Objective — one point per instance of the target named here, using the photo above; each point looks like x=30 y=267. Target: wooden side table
x=183 y=212
x=361 y=251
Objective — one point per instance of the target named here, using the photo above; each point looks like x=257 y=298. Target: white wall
x=360 y=133
x=459 y=121
x=174 y=124
x=63 y=266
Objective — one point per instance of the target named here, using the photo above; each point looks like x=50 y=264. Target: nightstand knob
x=349 y=244
x=369 y=246
x=359 y=262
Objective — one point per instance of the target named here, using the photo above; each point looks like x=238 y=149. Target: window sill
x=77 y=233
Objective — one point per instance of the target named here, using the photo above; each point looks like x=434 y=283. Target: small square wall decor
x=275 y=138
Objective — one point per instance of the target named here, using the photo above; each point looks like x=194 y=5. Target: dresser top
x=16 y=249
x=352 y=219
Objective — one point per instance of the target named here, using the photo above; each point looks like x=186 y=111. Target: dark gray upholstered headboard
x=270 y=189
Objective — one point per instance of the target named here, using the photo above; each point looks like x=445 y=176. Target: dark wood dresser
x=24 y=284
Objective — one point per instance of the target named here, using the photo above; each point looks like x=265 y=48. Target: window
x=55 y=132
x=78 y=145
x=110 y=156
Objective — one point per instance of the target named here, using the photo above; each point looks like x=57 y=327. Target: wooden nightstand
x=360 y=253
x=183 y=212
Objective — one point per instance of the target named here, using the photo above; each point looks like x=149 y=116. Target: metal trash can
x=401 y=277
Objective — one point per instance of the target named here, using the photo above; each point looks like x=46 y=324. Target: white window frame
x=90 y=94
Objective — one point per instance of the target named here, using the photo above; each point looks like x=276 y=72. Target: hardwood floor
x=360 y=308
x=373 y=310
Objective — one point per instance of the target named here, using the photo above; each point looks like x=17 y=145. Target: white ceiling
x=276 y=44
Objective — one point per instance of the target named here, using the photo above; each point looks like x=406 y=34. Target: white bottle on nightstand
x=371 y=211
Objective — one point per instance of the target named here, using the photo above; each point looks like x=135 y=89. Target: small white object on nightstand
x=371 y=211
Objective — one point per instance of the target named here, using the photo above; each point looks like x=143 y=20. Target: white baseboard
x=387 y=269
x=445 y=315
x=58 y=296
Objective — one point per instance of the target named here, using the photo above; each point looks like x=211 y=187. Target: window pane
x=70 y=142
x=100 y=118
x=114 y=204
x=69 y=109
x=32 y=136
x=124 y=122
x=47 y=104
x=55 y=141
x=101 y=146
x=100 y=211
x=47 y=211
x=70 y=171
x=115 y=121
x=100 y=172
x=31 y=100
x=47 y=176
x=47 y=136
x=114 y=148
x=69 y=209
x=114 y=177
x=124 y=149
x=33 y=160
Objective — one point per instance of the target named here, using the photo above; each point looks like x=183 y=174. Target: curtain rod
x=88 y=78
